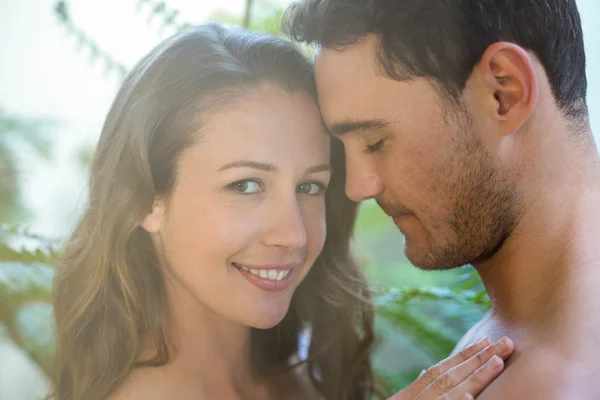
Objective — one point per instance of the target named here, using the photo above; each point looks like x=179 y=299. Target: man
x=466 y=120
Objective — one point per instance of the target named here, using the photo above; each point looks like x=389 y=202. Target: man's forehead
x=360 y=57
x=347 y=85
x=347 y=76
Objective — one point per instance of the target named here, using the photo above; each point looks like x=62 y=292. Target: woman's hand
x=462 y=376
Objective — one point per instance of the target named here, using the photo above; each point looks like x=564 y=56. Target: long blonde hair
x=109 y=295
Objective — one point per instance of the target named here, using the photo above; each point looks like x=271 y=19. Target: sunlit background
x=60 y=68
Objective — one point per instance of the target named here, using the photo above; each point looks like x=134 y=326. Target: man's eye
x=372 y=148
x=246 y=187
x=311 y=188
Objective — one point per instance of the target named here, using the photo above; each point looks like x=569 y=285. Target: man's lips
x=399 y=218
x=394 y=211
x=395 y=215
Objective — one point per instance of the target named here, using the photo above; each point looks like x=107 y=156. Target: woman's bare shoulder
x=142 y=384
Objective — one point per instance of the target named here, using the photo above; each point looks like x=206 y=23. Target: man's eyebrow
x=270 y=167
x=341 y=128
x=249 y=164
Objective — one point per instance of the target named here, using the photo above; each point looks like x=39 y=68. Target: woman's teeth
x=270 y=274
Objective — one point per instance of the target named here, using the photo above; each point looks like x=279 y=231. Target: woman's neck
x=211 y=353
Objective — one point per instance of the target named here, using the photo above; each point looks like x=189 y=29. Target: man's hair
x=443 y=40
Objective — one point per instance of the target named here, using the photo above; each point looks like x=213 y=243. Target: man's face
x=426 y=162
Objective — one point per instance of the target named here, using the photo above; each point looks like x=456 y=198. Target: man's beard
x=485 y=209
x=481 y=207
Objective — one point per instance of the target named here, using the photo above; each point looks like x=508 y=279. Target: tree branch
x=247 y=14
x=97 y=53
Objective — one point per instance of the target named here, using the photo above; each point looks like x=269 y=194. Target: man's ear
x=153 y=221
x=510 y=85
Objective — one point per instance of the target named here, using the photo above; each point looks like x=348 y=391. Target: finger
x=477 y=382
x=456 y=375
x=431 y=374
x=503 y=348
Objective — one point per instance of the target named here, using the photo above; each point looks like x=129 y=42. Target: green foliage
x=25 y=291
x=18 y=244
x=267 y=17
x=25 y=309
x=258 y=16
x=18 y=133
x=29 y=132
x=96 y=53
x=24 y=255
x=167 y=15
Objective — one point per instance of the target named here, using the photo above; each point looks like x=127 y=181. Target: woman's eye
x=246 y=187
x=311 y=188
x=372 y=148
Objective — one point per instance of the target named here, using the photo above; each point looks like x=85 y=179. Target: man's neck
x=551 y=261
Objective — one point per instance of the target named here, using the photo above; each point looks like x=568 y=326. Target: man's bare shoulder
x=473 y=335
x=543 y=375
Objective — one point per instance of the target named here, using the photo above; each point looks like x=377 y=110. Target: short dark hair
x=443 y=40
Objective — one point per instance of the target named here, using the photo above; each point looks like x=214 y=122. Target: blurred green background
x=61 y=66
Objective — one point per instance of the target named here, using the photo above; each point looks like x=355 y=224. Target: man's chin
x=426 y=260
x=444 y=258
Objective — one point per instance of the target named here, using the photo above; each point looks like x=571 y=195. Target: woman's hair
x=109 y=295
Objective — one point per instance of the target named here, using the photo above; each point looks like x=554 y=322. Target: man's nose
x=362 y=181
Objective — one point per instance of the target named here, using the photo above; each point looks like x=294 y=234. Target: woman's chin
x=267 y=318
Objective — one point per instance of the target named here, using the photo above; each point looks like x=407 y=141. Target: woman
x=206 y=249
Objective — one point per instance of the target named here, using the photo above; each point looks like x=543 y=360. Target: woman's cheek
x=316 y=229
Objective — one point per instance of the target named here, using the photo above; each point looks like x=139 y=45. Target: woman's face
x=246 y=219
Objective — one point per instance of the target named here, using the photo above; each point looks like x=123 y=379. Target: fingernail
x=504 y=345
x=501 y=344
x=496 y=363
x=485 y=341
x=489 y=351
